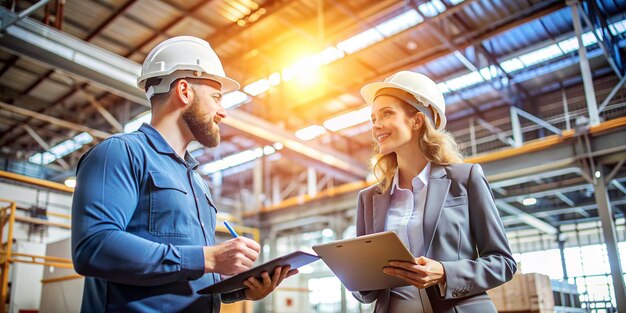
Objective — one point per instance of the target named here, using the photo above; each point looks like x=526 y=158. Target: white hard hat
x=180 y=57
x=420 y=86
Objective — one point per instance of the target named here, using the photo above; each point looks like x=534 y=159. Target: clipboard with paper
x=359 y=262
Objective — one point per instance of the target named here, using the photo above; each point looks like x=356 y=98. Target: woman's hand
x=424 y=274
x=259 y=289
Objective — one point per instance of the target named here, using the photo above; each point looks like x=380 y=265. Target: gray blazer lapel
x=380 y=209
x=438 y=186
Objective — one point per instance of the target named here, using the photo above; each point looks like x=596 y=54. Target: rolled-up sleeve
x=105 y=199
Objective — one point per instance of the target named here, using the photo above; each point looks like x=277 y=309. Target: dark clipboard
x=359 y=262
x=294 y=259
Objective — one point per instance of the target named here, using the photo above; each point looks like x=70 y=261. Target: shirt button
x=202 y=224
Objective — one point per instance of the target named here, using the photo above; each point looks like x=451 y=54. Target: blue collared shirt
x=141 y=215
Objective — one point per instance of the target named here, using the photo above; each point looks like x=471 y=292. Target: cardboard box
x=524 y=293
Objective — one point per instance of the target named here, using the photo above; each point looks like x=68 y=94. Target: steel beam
x=537 y=120
x=6 y=22
x=564 y=198
x=559 y=156
x=104 y=113
x=55 y=121
x=565 y=109
x=590 y=95
x=619 y=186
x=605 y=50
x=497 y=132
x=526 y=218
x=537 y=11
x=116 y=74
x=610 y=239
x=264 y=130
x=44 y=144
x=611 y=94
x=510 y=220
x=55 y=49
x=456 y=51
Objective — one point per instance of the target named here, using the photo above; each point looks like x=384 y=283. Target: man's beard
x=204 y=131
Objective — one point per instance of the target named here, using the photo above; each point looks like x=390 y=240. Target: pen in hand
x=231 y=230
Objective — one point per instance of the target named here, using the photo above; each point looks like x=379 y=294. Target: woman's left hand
x=423 y=274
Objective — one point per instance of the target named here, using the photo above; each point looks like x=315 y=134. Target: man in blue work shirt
x=143 y=221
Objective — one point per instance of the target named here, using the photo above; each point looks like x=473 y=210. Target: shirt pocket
x=169 y=207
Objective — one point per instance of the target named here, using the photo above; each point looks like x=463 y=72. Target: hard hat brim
x=369 y=91
x=228 y=84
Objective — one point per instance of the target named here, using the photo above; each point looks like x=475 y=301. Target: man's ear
x=183 y=92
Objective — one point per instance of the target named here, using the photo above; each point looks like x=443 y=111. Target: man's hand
x=258 y=289
x=424 y=274
x=231 y=257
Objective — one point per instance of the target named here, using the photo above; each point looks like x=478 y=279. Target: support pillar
x=516 y=128
x=311 y=181
x=472 y=131
x=257 y=183
x=610 y=238
x=590 y=94
x=561 y=243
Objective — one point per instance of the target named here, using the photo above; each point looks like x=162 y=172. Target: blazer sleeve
x=495 y=264
x=363 y=296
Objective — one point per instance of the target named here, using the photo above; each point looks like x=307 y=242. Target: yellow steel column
x=7 y=259
x=3 y=215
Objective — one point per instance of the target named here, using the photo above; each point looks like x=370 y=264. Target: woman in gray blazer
x=441 y=208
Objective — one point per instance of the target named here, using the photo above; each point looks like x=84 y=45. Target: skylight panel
x=258 y=87
x=589 y=39
x=329 y=55
x=489 y=72
x=399 y=23
x=432 y=8
x=360 y=41
x=274 y=79
x=464 y=81
x=83 y=138
x=569 y=45
x=348 y=119
x=512 y=65
x=236 y=159
x=62 y=149
x=288 y=74
x=541 y=55
x=310 y=132
x=42 y=158
x=618 y=27
x=234 y=99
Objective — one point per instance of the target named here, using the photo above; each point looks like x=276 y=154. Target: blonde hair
x=438 y=147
